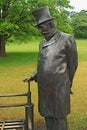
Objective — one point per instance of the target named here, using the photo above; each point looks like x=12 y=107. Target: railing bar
x=13 y=123
x=12 y=105
x=18 y=126
x=7 y=121
x=12 y=95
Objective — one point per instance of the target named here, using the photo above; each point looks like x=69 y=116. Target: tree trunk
x=2 y=46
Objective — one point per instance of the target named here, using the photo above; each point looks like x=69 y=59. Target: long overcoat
x=57 y=63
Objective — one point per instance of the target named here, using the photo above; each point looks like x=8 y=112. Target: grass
x=20 y=54
x=82 y=49
x=21 y=61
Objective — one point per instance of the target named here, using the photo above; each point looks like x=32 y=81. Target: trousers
x=56 y=124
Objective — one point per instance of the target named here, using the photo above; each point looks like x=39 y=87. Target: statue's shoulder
x=62 y=35
x=65 y=35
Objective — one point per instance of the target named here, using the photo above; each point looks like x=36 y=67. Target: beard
x=49 y=35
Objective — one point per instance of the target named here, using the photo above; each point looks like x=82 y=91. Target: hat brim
x=43 y=21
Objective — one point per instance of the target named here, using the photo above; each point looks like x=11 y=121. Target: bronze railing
x=24 y=124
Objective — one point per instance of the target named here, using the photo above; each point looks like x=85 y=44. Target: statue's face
x=47 y=29
x=44 y=28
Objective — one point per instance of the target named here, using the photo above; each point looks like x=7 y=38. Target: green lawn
x=20 y=62
x=82 y=49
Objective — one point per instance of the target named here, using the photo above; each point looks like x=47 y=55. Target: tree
x=61 y=13
x=79 y=23
x=16 y=18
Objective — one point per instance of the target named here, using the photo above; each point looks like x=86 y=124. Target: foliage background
x=17 y=22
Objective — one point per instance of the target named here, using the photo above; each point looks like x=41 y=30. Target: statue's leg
x=60 y=124
x=56 y=124
x=49 y=123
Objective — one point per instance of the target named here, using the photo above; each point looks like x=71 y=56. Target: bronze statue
x=57 y=64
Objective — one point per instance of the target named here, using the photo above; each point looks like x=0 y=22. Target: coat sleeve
x=34 y=76
x=72 y=57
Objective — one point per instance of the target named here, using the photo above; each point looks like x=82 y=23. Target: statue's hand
x=32 y=77
x=27 y=79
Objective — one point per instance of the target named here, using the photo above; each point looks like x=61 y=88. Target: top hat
x=42 y=15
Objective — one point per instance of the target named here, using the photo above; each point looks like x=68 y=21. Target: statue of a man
x=57 y=64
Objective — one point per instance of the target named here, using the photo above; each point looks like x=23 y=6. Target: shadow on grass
x=40 y=125
x=19 y=58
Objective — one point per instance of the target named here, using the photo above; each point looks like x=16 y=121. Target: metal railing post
x=29 y=115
